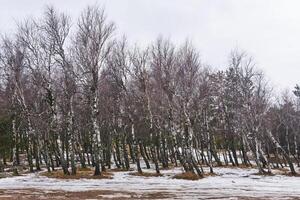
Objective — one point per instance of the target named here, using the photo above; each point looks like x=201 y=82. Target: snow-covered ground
x=229 y=184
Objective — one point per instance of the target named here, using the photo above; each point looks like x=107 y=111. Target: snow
x=230 y=182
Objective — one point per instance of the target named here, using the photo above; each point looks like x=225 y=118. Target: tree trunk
x=14 y=132
x=284 y=153
x=144 y=156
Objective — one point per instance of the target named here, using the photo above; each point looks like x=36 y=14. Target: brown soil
x=34 y=194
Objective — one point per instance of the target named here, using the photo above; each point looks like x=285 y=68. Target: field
x=226 y=183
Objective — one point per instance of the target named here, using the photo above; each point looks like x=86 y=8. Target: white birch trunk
x=285 y=155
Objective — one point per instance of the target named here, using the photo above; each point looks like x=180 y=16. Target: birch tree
x=92 y=47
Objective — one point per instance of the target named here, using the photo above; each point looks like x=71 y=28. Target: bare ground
x=34 y=194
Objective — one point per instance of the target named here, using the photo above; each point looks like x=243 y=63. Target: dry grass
x=264 y=174
x=170 y=166
x=5 y=175
x=187 y=176
x=290 y=174
x=145 y=174
x=86 y=169
x=119 y=170
x=210 y=174
x=242 y=166
x=88 y=174
x=282 y=169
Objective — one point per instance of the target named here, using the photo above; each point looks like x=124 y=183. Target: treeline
x=74 y=93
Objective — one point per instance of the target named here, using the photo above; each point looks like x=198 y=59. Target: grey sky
x=269 y=30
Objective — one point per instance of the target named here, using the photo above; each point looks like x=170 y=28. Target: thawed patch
x=145 y=174
x=87 y=173
x=187 y=176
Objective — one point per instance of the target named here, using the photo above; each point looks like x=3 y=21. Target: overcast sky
x=269 y=30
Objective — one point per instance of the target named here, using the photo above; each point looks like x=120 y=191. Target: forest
x=74 y=94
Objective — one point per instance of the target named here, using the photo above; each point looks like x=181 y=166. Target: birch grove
x=74 y=94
